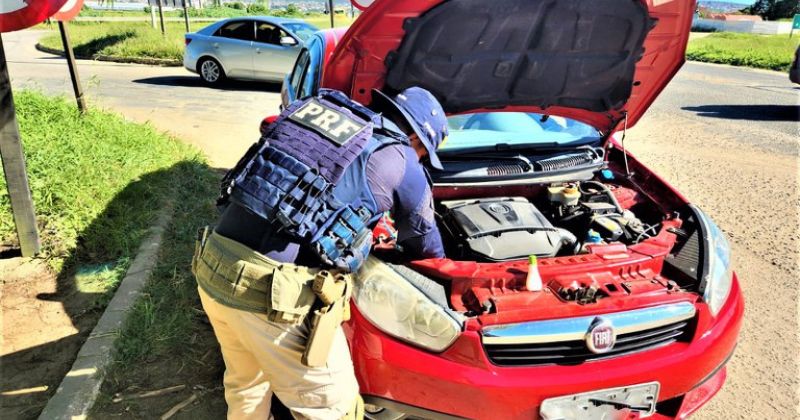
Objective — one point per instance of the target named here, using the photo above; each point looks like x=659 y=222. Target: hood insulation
x=475 y=54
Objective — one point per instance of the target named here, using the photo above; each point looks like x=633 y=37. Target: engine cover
x=499 y=229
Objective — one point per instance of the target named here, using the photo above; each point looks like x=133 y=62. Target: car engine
x=562 y=220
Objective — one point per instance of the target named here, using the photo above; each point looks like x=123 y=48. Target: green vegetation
x=235 y=9
x=97 y=183
x=127 y=40
x=138 y=40
x=774 y=52
x=773 y=9
x=164 y=319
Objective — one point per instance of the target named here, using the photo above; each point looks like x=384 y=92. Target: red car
x=630 y=308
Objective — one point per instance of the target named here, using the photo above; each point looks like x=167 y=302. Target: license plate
x=625 y=402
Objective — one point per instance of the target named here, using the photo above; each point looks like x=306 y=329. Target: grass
x=137 y=40
x=164 y=319
x=773 y=52
x=122 y=40
x=95 y=186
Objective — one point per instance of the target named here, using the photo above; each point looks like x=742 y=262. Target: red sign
x=70 y=9
x=362 y=4
x=20 y=14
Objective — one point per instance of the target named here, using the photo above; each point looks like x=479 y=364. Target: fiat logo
x=600 y=337
x=499 y=208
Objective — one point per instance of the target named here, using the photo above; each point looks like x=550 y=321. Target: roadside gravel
x=744 y=173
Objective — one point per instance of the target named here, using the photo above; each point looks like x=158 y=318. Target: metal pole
x=14 y=166
x=152 y=15
x=161 y=18
x=73 y=67
x=330 y=10
x=186 y=16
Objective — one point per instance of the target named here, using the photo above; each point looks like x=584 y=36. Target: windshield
x=488 y=129
x=301 y=29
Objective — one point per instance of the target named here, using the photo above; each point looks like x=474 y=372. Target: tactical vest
x=307 y=176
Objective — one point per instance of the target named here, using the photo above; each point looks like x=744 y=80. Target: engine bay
x=601 y=241
x=560 y=220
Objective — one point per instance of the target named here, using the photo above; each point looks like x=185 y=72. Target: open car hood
x=589 y=60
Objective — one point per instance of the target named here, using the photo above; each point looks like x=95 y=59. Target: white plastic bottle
x=534 y=280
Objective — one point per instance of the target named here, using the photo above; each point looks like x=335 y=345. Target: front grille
x=575 y=351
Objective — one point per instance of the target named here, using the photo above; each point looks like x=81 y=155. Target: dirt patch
x=43 y=326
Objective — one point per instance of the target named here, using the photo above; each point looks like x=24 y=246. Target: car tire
x=210 y=71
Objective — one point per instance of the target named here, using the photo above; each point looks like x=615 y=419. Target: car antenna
x=625 y=151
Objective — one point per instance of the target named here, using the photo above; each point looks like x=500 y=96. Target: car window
x=269 y=34
x=483 y=129
x=301 y=29
x=240 y=29
x=310 y=82
x=299 y=71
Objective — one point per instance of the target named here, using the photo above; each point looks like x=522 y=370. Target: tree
x=773 y=9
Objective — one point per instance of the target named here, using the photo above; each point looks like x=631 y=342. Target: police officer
x=274 y=274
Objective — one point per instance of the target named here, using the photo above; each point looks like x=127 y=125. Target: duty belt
x=241 y=278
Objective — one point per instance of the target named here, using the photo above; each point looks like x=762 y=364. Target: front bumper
x=462 y=382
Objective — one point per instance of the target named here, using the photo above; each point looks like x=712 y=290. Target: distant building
x=734 y=18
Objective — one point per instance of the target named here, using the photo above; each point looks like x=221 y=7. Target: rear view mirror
x=288 y=41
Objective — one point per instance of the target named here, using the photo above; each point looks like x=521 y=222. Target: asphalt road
x=726 y=137
x=222 y=122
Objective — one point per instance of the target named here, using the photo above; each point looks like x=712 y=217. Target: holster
x=333 y=292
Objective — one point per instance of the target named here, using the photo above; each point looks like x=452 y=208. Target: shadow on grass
x=748 y=112
x=104 y=251
x=96 y=45
x=195 y=81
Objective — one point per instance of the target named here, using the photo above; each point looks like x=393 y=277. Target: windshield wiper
x=525 y=163
x=505 y=147
x=479 y=152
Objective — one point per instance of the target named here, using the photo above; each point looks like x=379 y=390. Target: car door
x=232 y=43
x=272 y=60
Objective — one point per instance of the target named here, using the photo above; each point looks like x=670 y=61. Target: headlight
x=398 y=308
x=717 y=274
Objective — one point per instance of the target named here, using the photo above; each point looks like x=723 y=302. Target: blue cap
x=424 y=115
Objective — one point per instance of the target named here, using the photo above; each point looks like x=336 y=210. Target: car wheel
x=210 y=71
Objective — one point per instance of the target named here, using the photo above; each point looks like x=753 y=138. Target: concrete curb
x=165 y=62
x=80 y=387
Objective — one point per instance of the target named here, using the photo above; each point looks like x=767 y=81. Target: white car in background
x=251 y=48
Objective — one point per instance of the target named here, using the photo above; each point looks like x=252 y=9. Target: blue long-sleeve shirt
x=399 y=184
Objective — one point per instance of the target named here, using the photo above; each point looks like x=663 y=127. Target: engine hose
x=608 y=192
x=569 y=239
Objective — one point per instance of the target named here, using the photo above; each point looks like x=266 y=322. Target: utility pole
x=186 y=16
x=152 y=14
x=19 y=191
x=330 y=10
x=161 y=18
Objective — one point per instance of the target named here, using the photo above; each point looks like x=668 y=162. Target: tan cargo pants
x=263 y=357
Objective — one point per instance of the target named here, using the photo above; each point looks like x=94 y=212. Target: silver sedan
x=252 y=48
